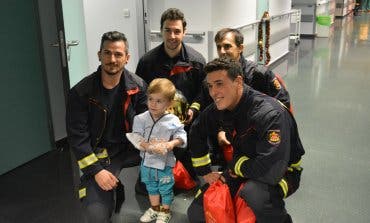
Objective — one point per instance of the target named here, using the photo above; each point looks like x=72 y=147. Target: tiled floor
x=329 y=82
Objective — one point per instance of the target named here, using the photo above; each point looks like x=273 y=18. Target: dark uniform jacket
x=185 y=71
x=86 y=117
x=265 y=137
x=264 y=80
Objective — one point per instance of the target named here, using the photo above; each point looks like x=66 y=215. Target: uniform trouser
x=265 y=200
x=100 y=204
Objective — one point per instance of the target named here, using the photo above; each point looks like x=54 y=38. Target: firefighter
x=229 y=42
x=267 y=147
x=101 y=108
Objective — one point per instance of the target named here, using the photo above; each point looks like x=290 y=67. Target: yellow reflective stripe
x=238 y=165
x=198 y=193
x=297 y=164
x=82 y=193
x=87 y=161
x=103 y=154
x=281 y=103
x=284 y=186
x=201 y=161
x=195 y=105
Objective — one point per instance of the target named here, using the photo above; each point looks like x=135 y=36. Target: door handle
x=69 y=43
x=68 y=46
x=72 y=43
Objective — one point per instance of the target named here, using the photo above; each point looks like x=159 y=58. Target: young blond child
x=161 y=133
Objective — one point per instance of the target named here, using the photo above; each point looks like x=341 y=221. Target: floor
x=329 y=82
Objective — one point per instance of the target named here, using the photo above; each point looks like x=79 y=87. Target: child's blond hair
x=162 y=86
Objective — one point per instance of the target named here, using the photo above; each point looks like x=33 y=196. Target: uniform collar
x=126 y=80
x=242 y=103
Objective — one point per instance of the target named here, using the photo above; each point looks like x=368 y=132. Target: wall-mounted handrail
x=281 y=15
x=248 y=25
x=273 y=17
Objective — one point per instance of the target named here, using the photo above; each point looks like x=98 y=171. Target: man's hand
x=221 y=138
x=189 y=116
x=232 y=174
x=106 y=180
x=211 y=177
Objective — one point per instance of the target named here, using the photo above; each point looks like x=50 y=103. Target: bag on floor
x=218 y=204
x=182 y=178
x=243 y=213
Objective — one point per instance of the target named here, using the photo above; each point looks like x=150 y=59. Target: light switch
x=126 y=13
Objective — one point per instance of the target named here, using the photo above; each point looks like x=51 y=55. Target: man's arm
x=201 y=130
x=79 y=135
x=273 y=150
x=274 y=84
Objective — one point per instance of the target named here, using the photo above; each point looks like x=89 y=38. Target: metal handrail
x=248 y=25
x=273 y=17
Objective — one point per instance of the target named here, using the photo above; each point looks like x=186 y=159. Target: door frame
x=58 y=137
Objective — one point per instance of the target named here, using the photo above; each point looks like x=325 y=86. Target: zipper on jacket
x=150 y=133
x=95 y=102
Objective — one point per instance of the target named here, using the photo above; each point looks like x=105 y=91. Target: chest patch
x=273 y=137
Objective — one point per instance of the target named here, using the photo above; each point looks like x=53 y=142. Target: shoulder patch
x=273 y=137
x=276 y=84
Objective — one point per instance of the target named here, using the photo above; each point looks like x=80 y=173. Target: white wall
x=279 y=6
x=108 y=15
x=279 y=28
x=232 y=13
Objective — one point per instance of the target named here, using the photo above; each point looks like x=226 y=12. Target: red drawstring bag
x=182 y=178
x=244 y=214
x=218 y=204
x=228 y=151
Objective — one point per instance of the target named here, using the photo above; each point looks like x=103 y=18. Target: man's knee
x=255 y=194
x=265 y=201
x=98 y=213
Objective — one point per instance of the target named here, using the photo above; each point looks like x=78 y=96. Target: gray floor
x=329 y=82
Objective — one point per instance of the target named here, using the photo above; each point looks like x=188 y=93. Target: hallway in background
x=329 y=83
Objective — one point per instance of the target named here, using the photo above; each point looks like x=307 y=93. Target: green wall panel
x=24 y=133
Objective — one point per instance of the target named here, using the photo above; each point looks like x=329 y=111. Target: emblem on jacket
x=276 y=84
x=273 y=136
